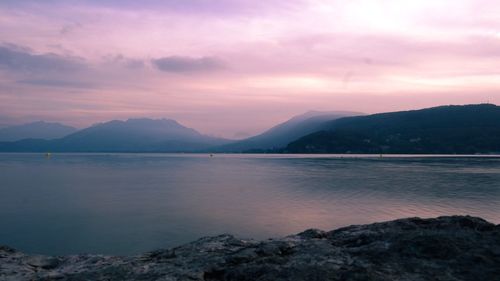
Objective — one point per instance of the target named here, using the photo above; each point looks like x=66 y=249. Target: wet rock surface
x=444 y=248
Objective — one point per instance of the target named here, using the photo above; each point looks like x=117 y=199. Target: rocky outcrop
x=444 y=248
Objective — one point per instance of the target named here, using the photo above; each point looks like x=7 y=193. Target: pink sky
x=226 y=67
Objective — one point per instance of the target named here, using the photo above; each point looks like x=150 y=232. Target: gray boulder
x=444 y=248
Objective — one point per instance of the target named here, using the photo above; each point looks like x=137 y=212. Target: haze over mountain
x=133 y=135
x=282 y=134
x=35 y=130
x=446 y=129
x=464 y=129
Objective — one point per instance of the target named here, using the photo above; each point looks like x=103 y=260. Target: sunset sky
x=235 y=67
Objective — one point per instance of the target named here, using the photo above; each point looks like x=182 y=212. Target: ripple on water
x=130 y=203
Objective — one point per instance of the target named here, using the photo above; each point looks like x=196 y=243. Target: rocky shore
x=444 y=248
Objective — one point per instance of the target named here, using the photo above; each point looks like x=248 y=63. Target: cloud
x=57 y=83
x=14 y=58
x=203 y=7
x=129 y=63
x=187 y=64
x=70 y=27
x=134 y=63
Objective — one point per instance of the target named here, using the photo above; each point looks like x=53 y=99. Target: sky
x=232 y=68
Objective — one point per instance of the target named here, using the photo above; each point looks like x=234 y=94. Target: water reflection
x=129 y=203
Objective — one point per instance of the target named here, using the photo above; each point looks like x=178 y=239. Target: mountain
x=282 y=134
x=451 y=129
x=133 y=135
x=35 y=130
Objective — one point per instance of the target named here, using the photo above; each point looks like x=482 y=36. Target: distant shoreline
x=295 y=155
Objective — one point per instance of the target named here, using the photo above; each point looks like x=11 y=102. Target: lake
x=131 y=203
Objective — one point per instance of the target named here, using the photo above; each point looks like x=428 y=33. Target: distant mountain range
x=467 y=129
x=133 y=135
x=282 y=134
x=35 y=130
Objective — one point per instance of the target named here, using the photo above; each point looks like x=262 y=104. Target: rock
x=159 y=255
x=312 y=234
x=245 y=255
x=444 y=248
x=6 y=249
x=42 y=262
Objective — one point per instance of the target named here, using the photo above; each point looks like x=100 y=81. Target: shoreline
x=265 y=155
x=443 y=248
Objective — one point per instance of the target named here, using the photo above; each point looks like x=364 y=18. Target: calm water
x=130 y=203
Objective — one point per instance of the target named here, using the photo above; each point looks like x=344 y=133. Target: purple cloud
x=57 y=83
x=206 y=7
x=18 y=59
x=187 y=64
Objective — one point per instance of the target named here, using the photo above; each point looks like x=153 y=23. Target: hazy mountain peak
x=317 y=113
x=35 y=130
x=137 y=134
x=282 y=134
